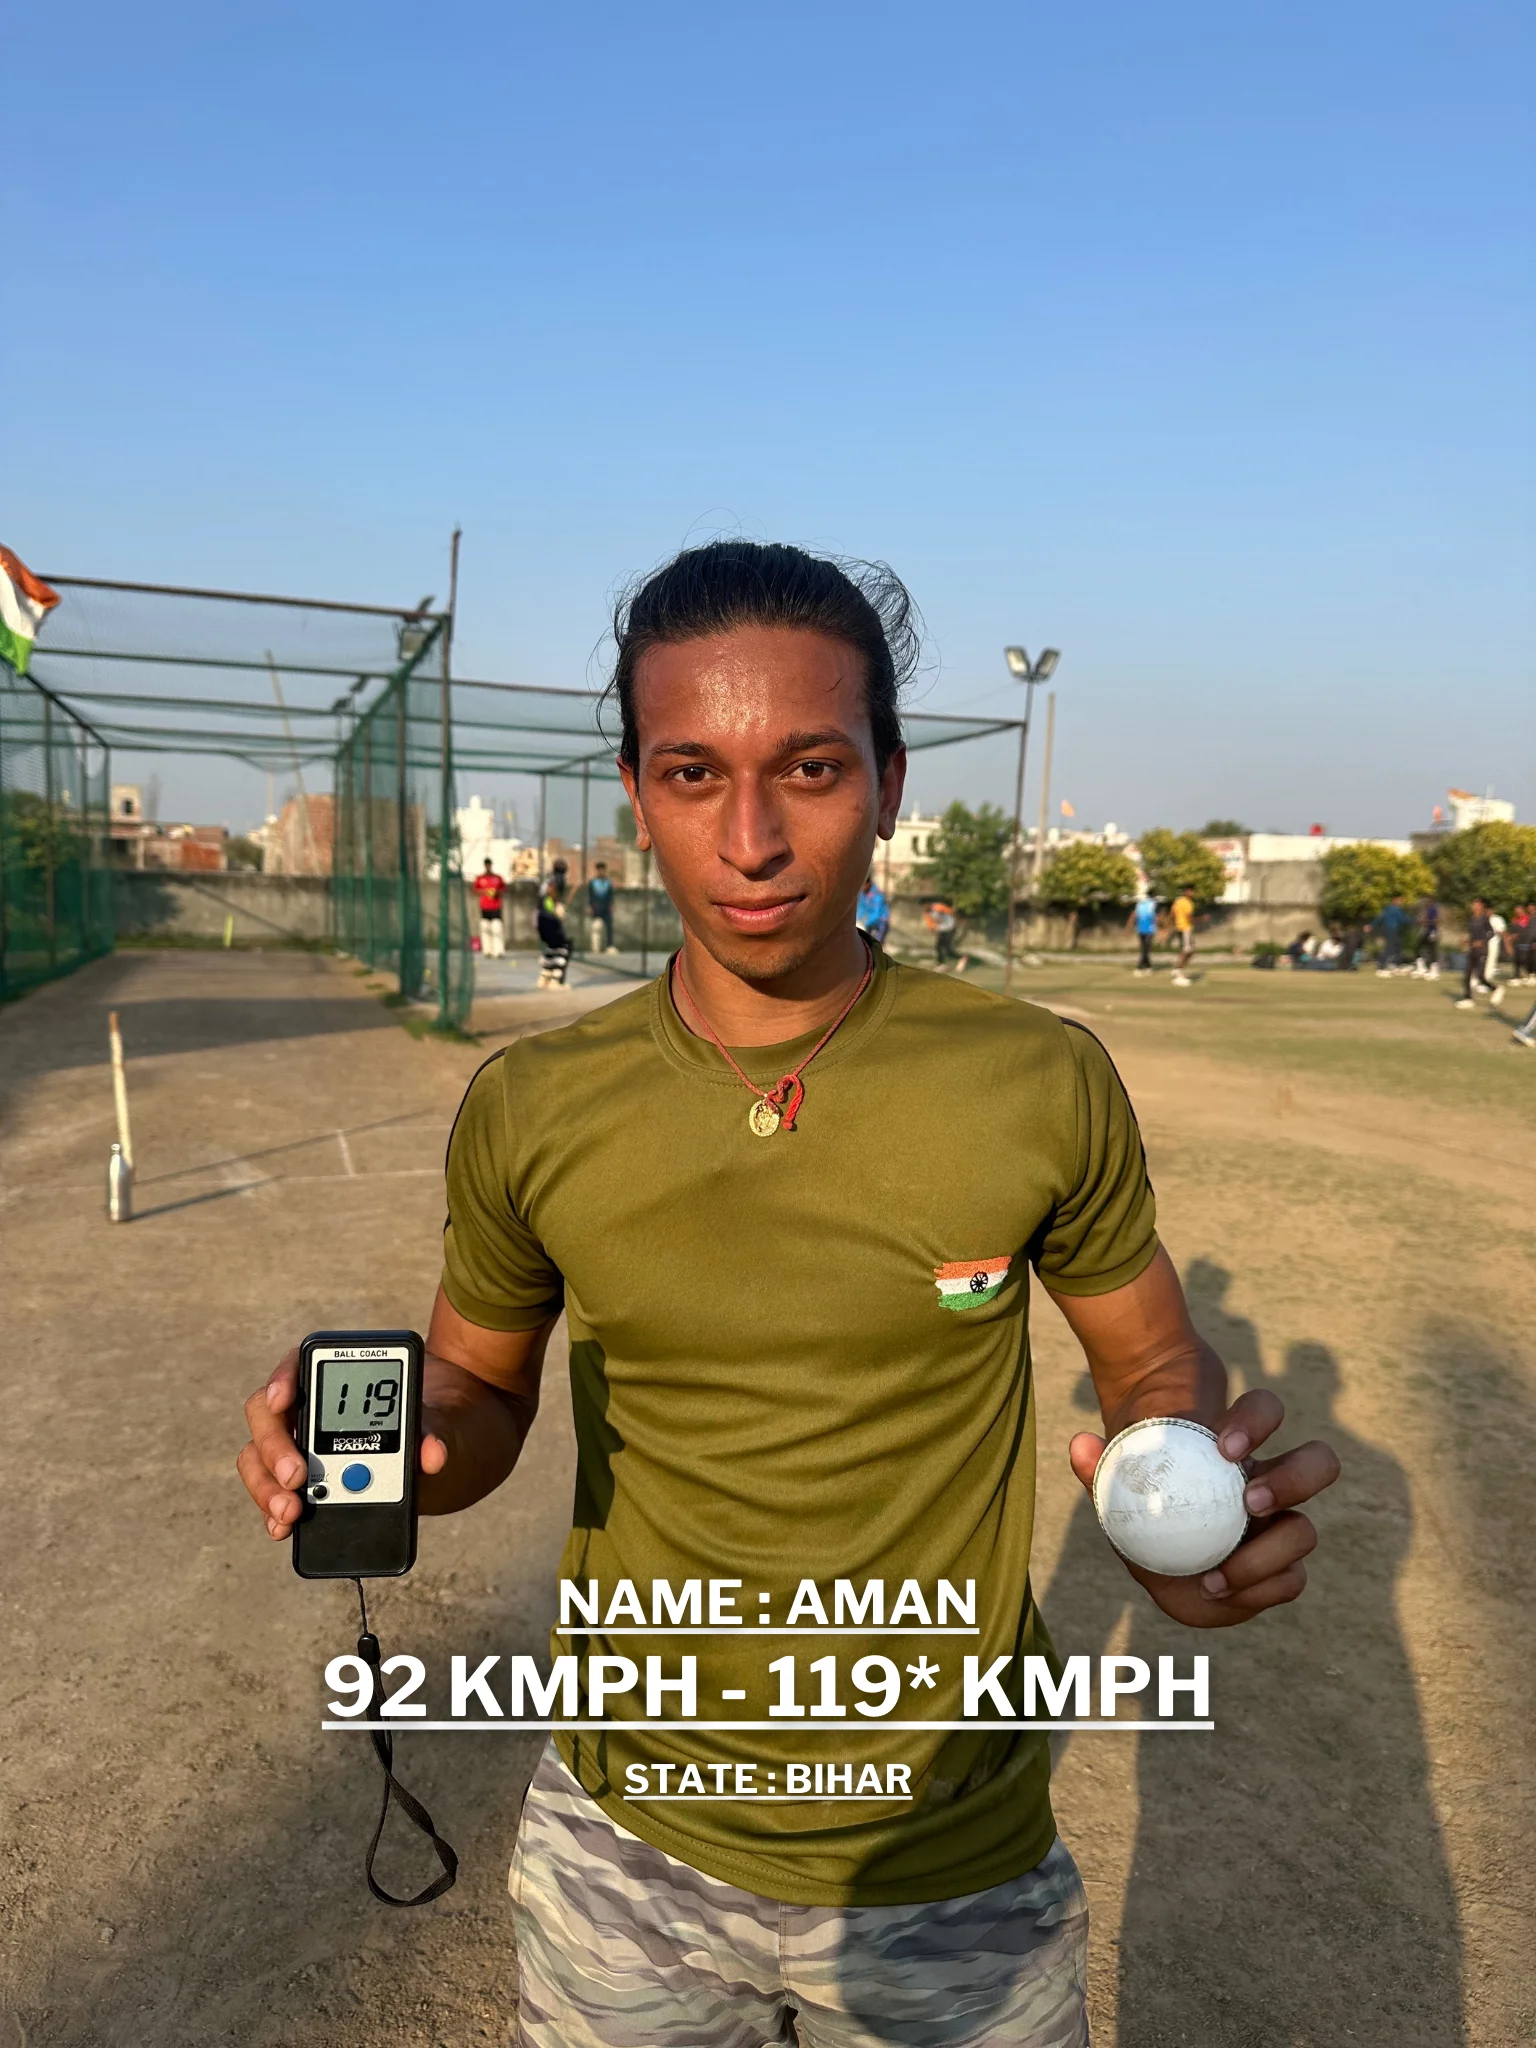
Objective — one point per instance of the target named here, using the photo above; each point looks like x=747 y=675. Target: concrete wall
x=1236 y=927
x=1284 y=882
x=272 y=909
x=629 y=918
x=267 y=909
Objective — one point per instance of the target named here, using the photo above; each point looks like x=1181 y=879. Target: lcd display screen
x=358 y=1405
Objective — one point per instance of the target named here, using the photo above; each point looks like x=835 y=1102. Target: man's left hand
x=1267 y=1568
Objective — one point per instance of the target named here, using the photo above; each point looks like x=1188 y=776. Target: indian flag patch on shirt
x=970 y=1283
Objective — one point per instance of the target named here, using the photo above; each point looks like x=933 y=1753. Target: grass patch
x=1350 y=1033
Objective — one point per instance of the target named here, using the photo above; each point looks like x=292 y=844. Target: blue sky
x=1194 y=340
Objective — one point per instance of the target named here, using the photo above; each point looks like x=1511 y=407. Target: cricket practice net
x=55 y=881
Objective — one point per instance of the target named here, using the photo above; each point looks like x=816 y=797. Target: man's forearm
x=1146 y=1356
x=483 y=1427
x=1189 y=1381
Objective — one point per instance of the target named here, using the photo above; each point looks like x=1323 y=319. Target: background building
x=1468 y=810
x=140 y=842
x=301 y=839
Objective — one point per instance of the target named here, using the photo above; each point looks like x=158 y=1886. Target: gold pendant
x=763 y=1117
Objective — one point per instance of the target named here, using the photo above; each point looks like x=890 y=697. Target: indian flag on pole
x=970 y=1283
x=25 y=601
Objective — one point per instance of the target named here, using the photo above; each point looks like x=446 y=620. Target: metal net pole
x=586 y=784
x=368 y=825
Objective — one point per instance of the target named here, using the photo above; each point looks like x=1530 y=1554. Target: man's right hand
x=481 y=1393
x=271 y=1464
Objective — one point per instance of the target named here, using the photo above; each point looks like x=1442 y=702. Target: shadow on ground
x=1289 y=1883
x=204 y=1023
x=255 y=1926
x=63 y=1025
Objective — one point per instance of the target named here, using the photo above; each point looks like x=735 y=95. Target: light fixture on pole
x=1028 y=673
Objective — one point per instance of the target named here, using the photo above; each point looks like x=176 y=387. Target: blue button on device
x=356 y=1477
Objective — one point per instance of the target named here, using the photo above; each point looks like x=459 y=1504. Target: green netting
x=55 y=883
x=288 y=684
x=269 y=680
x=399 y=896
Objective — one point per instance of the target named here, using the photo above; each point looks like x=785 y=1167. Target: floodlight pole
x=1045 y=795
x=444 y=883
x=1028 y=673
x=586 y=781
x=1018 y=828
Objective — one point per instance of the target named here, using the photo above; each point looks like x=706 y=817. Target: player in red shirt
x=490 y=890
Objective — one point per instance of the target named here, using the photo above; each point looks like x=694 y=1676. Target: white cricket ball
x=1167 y=1499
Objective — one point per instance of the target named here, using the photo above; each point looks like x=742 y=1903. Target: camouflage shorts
x=621 y=1946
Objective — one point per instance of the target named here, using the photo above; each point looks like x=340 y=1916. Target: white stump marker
x=120 y=1087
x=120 y=1163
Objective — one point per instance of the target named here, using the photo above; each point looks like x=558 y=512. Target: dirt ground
x=1344 y=1175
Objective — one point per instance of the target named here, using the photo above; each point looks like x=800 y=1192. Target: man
x=600 y=910
x=1183 y=915
x=941 y=919
x=1522 y=939
x=1143 y=920
x=1479 y=933
x=490 y=893
x=873 y=914
x=800 y=1372
x=1427 y=966
x=1498 y=928
x=551 y=928
x=1392 y=923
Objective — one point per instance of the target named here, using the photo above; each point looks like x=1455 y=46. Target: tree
x=434 y=837
x=1495 y=861
x=969 y=864
x=1087 y=877
x=624 y=825
x=1360 y=881
x=1178 y=863
x=39 y=835
x=1223 y=828
x=243 y=853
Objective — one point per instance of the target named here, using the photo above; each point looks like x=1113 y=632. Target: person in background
x=1427 y=966
x=1525 y=1034
x=1183 y=916
x=1143 y=921
x=941 y=920
x=1299 y=951
x=1479 y=932
x=490 y=893
x=874 y=913
x=1392 y=924
x=600 y=911
x=1522 y=932
x=1498 y=927
x=552 y=932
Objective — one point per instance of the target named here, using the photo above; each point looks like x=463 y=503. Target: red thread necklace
x=781 y=1104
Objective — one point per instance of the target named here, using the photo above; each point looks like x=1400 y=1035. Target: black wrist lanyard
x=384 y=1749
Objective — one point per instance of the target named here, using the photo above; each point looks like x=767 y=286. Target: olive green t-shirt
x=801 y=1362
